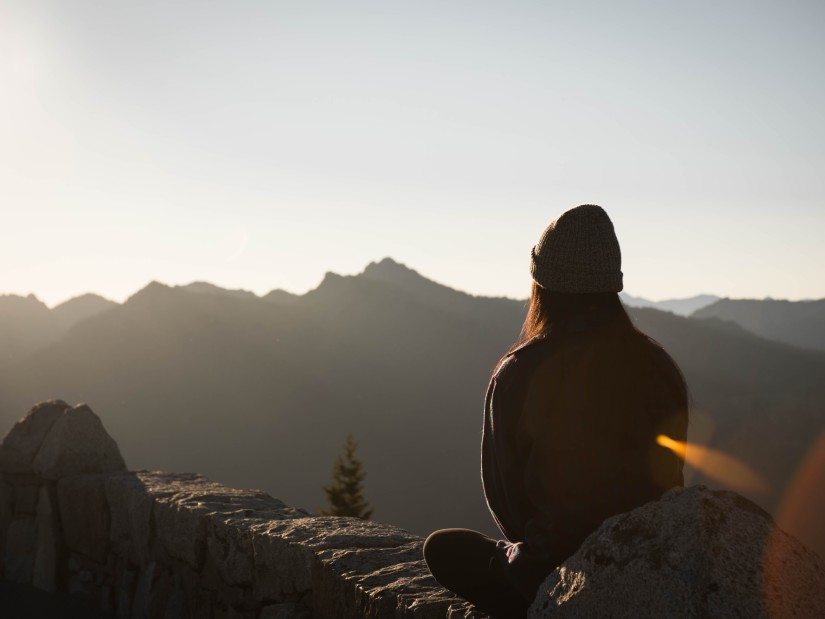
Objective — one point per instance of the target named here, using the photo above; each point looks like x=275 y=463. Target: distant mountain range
x=682 y=307
x=261 y=391
x=798 y=323
x=27 y=325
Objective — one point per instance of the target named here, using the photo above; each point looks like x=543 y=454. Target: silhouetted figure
x=571 y=419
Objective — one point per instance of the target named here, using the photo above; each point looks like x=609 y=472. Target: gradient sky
x=260 y=144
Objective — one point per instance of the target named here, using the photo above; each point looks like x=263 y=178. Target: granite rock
x=6 y=512
x=284 y=550
x=21 y=444
x=20 y=548
x=130 y=510
x=75 y=444
x=44 y=575
x=694 y=553
x=84 y=514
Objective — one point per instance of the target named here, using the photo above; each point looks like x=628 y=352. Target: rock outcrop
x=155 y=544
x=167 y=545
x=694 y=553
x=55 y=440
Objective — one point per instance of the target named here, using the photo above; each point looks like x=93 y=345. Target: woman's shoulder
x=520 y=362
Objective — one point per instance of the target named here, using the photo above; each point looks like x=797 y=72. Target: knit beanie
x=578 y=252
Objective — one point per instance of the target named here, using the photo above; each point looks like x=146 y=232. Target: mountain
x=280 y=297
x=26 y=324
x=255 y=393
x=71 y=312
x=207 y=288
x=682 y=307
x=799 y=323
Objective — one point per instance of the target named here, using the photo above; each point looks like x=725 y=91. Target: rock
x=25 y=490
x=5 y=515
x=205 y=516
x=21 y=544
x=48 y=542
x=354 y=568
x=21 y=444
x=377 y=582
x=130 y=509
x=287 y=610
x=694 y=553
x=464 y=610
x=77 y=443
x=284 y=550
x=84 y=514
x=140 y=601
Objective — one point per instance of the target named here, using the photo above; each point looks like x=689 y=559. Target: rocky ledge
x=695 y=552
x=165 y=545
x=156 y=544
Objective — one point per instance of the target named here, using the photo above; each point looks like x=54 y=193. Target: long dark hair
x=548 y=309
x=550 y=312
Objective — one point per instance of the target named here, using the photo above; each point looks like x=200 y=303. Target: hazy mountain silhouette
x=683 y=307
x=27 y=324
x=71 y=312
x=800 y=323
x=280 y=297
x=207 y=288
x=256 y=393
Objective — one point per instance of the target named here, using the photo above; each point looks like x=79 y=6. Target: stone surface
x=288 y=610
x=165 y=545
x=25 y=490
x=5 y=516
x=694 y=553
x=182 y=518
x=21 y=444
x=464 y=610
x=143 y=588
x=44 y=575
x=377 y=582
x=284 y=550
x=76 y=444
x=130 y=502
x=84 y=514
x=21 y=544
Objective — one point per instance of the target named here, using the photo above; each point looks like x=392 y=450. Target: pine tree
x=345 y=495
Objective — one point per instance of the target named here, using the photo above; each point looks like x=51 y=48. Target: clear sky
x=260 y=144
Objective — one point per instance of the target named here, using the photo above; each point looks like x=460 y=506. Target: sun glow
x=719 y=466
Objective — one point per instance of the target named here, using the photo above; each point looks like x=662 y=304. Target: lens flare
x=801 y=509
x=716 y=465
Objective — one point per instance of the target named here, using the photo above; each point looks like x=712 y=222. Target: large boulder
x=23 y=441
x=694 y=553
x=84 y=515
x=76 y=444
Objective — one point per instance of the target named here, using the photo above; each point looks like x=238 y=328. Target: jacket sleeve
x=505 y=456
x=501 y=466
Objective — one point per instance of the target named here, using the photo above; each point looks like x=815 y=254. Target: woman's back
x=570 y=434
x=571 y=420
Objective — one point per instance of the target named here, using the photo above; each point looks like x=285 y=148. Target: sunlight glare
x=719 y=466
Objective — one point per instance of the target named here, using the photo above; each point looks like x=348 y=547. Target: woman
x=571 y=419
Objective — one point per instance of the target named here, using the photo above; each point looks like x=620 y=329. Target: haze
x=256 y=144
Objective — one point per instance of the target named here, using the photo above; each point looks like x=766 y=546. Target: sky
x=259 y=145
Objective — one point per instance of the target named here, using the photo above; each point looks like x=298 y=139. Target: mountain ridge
x=242 y=389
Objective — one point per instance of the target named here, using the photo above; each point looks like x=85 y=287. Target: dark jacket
x=569 y=439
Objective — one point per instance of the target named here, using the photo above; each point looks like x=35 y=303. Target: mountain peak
x=152 y=290
x=80 y=308
x=200 y=287
x=390 y=270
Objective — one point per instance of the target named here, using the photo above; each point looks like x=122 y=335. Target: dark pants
x=465 y=562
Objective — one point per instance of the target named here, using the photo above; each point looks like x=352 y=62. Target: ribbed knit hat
x=578 y=252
